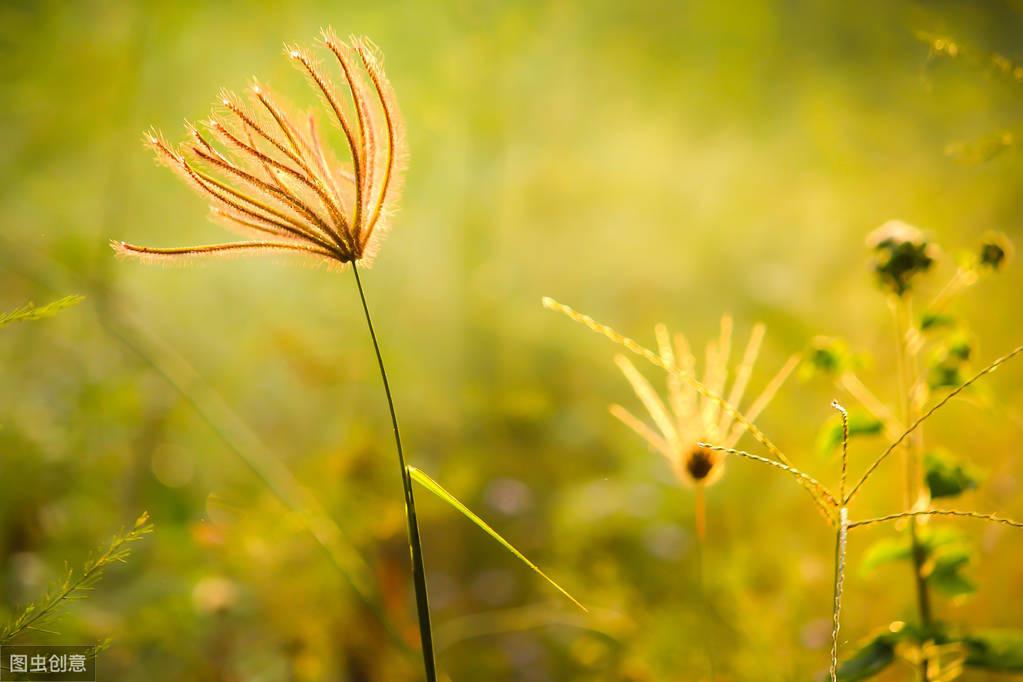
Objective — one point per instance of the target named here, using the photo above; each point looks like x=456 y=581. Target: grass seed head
x=269 y=177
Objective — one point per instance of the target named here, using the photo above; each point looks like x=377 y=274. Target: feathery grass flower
x=269 y=177
x=690 y=418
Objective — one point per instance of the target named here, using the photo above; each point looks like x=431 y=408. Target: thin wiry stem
x=310 y=157
x=335 y=106
x=296 y=204
x=938 y=512
x=283 y=123
x=941 y=403
x=415 y=544
x=824 y=499
x=365 y=152
x=845 y=446
x=836 y=610
x=204 y=181
x=700 y=514
x=254 y=125
x=840 y=546
x=390 y=117
x=302 y=174
x=320 y=160
x=700 y=510
x=210 y=249
x=656 y=360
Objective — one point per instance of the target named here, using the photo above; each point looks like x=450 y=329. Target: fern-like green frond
x=74 y=586
x=30 y=311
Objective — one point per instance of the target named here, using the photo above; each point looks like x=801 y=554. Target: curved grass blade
x=424 y=480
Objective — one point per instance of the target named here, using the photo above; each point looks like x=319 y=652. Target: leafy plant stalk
x=415 y=544
x=907 y=362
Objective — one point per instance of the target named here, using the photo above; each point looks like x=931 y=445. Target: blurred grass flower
x=269 y=177
x=690 y=417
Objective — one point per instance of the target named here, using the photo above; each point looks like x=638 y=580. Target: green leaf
x=946 y=574
x=996 y=650
x=951 y=583
x=935 y=321
x=949 y=362
x=885 y=551
x=936 y=537
x=947 y=476
x=424 y=480
x=960 y=349
x=860 y=424
x=30 y=311
x=827 y=356
x=872 y=658
x=946 y=554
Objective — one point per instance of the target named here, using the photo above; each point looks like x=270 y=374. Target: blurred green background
x=642 y=162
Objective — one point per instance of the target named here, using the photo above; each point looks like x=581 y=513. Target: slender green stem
x=415 y=545
x=907 y=380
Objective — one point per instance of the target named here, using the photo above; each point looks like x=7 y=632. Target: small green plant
x=933 y=353
x=75 y=585
x=30 y=311
x=834 y=506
